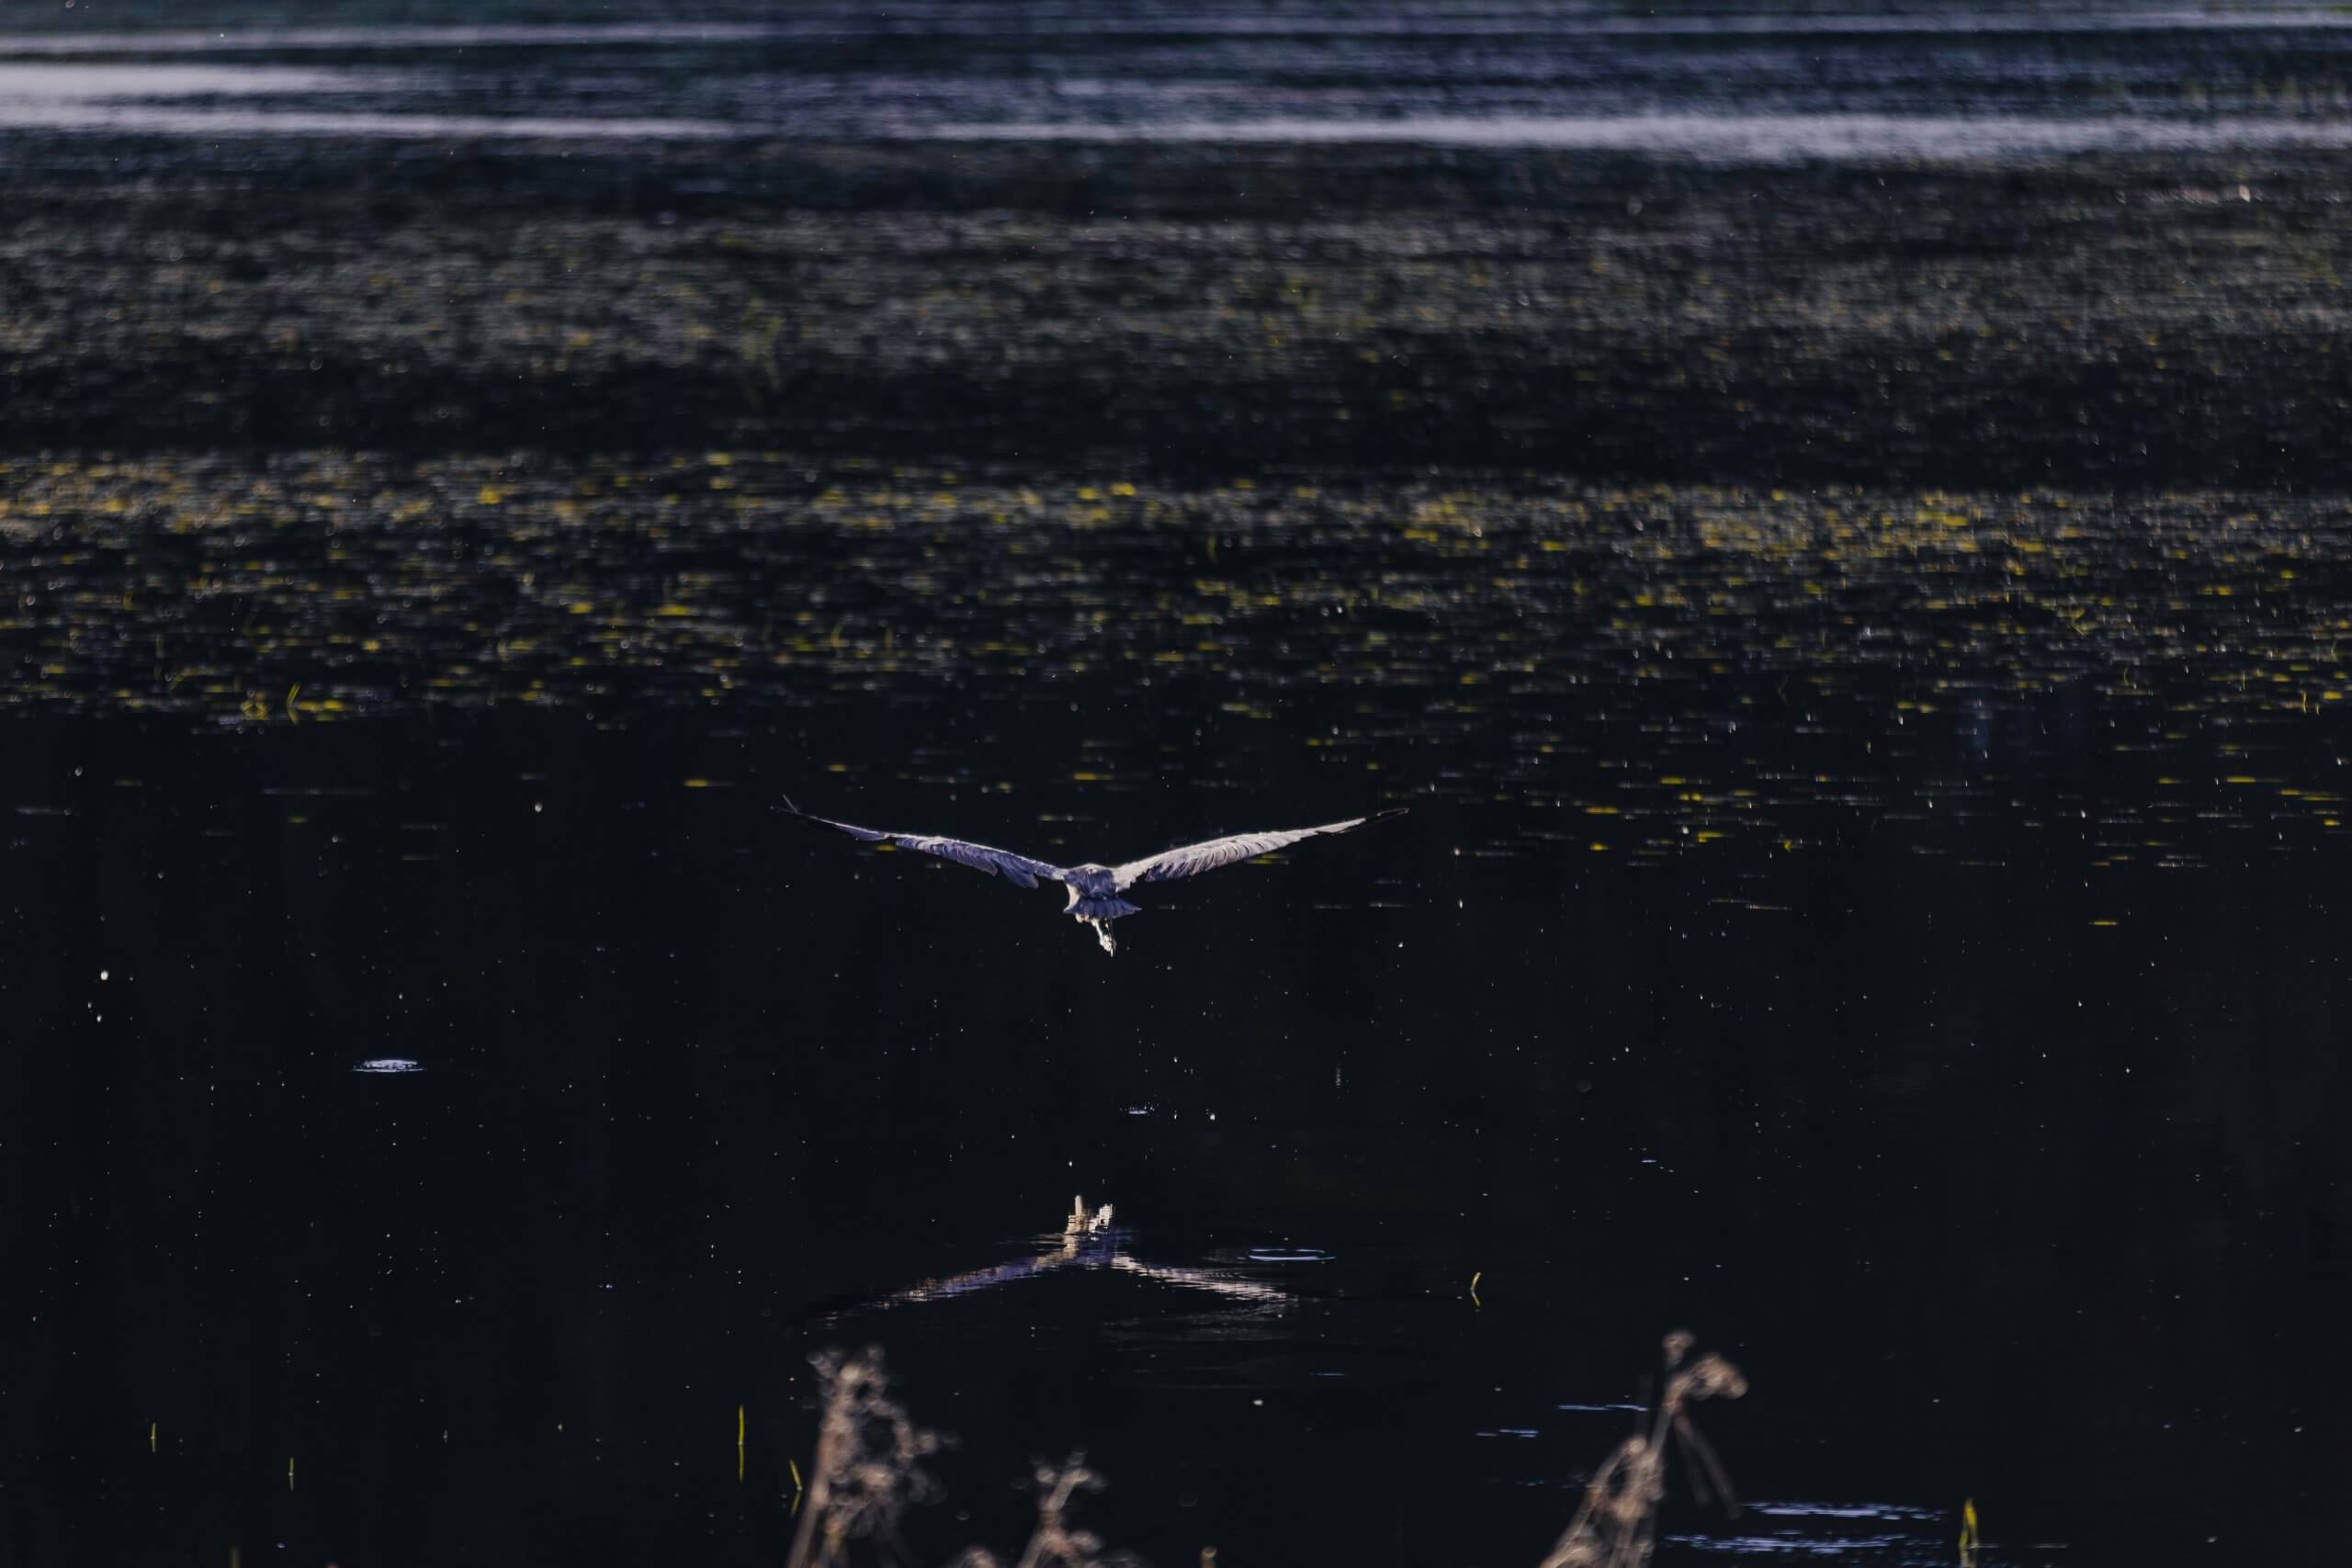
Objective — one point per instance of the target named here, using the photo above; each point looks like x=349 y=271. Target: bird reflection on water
x=1088 y=1241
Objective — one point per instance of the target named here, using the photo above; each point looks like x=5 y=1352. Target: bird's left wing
x=1194 y=859
x=1013 y=868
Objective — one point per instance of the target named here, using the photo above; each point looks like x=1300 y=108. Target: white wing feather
x=1190 y=859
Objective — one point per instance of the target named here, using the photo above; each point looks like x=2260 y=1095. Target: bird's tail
x=1101 y=907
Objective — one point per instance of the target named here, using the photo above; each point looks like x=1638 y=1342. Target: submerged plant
x=1617 y=1526
x=866 y=1469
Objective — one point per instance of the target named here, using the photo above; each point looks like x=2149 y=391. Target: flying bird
x=1094 y=889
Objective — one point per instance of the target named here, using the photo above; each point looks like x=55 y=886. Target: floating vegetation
x=1655 y=670
x=2144 y=322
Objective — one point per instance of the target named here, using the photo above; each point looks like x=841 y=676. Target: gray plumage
x=1094 y=889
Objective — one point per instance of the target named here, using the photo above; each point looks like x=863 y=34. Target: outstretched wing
x=1013 y=868
x=1194 y=859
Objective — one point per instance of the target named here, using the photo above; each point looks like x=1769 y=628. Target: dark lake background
x=1834 y=522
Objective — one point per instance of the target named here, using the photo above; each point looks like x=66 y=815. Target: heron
x=1094 y=889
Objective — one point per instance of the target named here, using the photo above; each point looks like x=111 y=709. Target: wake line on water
x=102 y=117
x=1735 y=137
x=1755 y=139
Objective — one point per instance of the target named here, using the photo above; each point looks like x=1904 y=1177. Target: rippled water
x=1748 y=85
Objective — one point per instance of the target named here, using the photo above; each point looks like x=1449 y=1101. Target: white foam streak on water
x=1844 y=1510
x=269 y=41
x=39 y=85
x=140 y=98
x=1791 y=1546
x=1728 y=138
x=86 y=116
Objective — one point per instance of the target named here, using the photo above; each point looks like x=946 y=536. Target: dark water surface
x=2006 y=1169
x=1837 y=524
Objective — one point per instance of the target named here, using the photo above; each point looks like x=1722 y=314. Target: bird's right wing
x=1190 y=859
x=1019 y=869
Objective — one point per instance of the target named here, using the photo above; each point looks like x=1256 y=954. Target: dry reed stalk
x=866 y=1471
x=1055 y=1544
x=1617 y=1526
